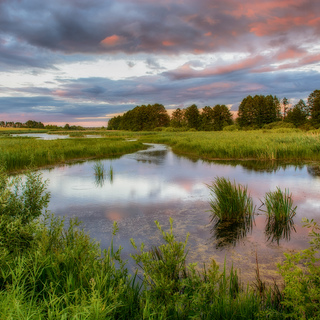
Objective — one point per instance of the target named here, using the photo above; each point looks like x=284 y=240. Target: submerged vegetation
x=53 y=270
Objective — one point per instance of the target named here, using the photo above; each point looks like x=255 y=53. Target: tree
x=298 y=114
x=285 y=104
x=192 y=116
x=221 y=116
x=177 y=118
x=258 y=110
x=314 y=106
x=206 y=119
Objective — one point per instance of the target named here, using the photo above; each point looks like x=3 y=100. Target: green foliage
x=175 y=290
x=258 y=111
x=314 y=106
x=301 y=274
x=141 y=118
x=20 y=204
x=222 y=117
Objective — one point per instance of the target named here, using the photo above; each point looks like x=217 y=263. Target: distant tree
x=298 y=114
x=141 y=118
x=192 y=116
x=258 y=110
x=66 y=127
x=177 y=118
x=222 y=117
x=34 y=124
x=114 y=123
x=206 y=119
x=285 y=104
x=2 y=124
x=314 y=106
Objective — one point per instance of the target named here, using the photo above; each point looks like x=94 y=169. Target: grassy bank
x=18 y=153
x=260 y=145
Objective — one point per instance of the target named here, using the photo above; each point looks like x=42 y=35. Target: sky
x=84 y=61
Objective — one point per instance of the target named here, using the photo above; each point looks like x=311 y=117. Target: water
x=156 y=184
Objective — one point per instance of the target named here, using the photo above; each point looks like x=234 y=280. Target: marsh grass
x=230 y=201
x=280 y=212
x=279 y=205
x=17 y=152
x=99 y=169
x=111 y=173
x=257 y=144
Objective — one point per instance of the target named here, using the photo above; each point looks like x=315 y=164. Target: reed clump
x=280 y=212
x=230 y=201
x=279 y=206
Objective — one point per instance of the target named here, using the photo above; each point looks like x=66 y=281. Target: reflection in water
x=314 y=170
x=269 y=166
x=277 y=230
x=99 y=180
x=155 y=157
x=230 y=231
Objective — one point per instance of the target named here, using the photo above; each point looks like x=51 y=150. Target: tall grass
x=280 y=213
x=259 y=144
x=232 y=211
x=230 y=201
x=18 y=152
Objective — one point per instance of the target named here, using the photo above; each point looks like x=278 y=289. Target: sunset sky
x=83 y=61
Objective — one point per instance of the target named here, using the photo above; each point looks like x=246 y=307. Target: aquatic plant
x=99 y=170
x=279 y=206
x=230 y=201
x=111 y=173
x=280 y=213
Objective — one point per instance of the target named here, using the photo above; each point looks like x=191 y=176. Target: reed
x=50 y=152
x=279 y=206
x=260 y=144
x=99 y=170
x=280 y=213
x=230 y=201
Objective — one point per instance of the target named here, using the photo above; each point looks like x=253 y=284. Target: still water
x=156 y=184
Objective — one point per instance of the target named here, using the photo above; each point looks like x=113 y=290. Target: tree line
x=155 y=116
x=254 y=113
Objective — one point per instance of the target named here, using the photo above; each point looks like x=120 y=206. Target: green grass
x=280 y=213
x=18 y=153
x=279 y=206
x=229 y=201
x=232 y=212
x=260 y=144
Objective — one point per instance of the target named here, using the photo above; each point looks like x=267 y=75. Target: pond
x=156 y=184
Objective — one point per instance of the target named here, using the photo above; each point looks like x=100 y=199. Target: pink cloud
x=291 y=53
x=113 y=40
x=186 y=71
